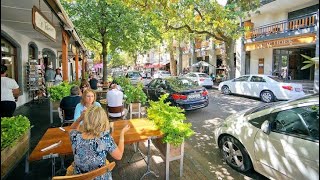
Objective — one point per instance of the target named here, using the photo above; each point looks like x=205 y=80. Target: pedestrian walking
x=9 y=93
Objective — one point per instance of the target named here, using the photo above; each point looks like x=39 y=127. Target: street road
x=202 y=146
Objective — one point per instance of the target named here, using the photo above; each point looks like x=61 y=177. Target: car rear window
x=203 y=75
x=180 y=84
x=133 y=74
x=275 y=78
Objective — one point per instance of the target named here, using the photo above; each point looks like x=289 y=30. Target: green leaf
x=307 y=66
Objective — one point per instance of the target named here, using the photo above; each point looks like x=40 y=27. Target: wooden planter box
x=53 y=108
x=10 y=156
x=170 y=153
x=135 y=109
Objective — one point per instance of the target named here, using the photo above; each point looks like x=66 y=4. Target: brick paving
x=39 y=117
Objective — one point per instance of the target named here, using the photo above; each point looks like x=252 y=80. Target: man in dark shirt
x=93 y=83
x=69 y=103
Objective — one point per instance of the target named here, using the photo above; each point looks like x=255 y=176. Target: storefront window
x=8 y=58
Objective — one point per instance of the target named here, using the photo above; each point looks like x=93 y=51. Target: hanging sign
x=43 y=25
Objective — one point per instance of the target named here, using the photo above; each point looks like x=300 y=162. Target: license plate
x=297 y=89
x=193 y=96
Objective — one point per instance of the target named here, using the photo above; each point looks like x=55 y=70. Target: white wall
x=24 y=41
x=269 y=18
x=256 y=55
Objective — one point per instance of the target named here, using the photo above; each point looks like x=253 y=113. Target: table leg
x=62 y=169
x=26 y=170
x=137 y=150
x=148 y=163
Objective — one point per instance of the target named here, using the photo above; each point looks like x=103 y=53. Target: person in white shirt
x=9 y=92
x=115 y=99
x=58 y=77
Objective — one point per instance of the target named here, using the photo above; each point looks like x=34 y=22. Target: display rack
x=35 y=79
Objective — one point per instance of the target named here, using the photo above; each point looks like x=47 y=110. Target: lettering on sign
x=43 y=25
x=281 y=42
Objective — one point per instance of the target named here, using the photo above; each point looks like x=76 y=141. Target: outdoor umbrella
x=201 y=63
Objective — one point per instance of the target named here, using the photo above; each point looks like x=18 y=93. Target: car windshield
x=260 y=108
x=180 y=84
x=165 y=72
x=203 y=75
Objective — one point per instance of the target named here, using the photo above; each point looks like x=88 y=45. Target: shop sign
x=281 y=42
x=43 y=25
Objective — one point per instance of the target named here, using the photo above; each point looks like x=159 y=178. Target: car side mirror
x=265 y=127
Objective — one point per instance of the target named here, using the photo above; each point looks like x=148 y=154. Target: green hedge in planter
x=12 y=128
x=169 y=119
x=135 y=94
x=59 y=91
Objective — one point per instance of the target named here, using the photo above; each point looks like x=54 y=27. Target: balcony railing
x=301 y=22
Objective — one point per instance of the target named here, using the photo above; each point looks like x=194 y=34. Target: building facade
x=38 y=32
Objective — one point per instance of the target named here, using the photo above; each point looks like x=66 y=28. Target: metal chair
x=89 y=175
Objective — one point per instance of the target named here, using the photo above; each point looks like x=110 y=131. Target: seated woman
x=84 y=85
x=91 y=142
x=88 y=99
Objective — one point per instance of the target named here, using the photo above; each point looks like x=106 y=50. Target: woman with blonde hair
x=91 y=145
x=88 y=99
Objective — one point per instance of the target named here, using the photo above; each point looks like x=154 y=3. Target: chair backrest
x=89 y=175
x=68 y=112
x=118 y=109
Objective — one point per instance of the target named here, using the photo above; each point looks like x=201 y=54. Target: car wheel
x=235 y=154
x=267 y=96
x=225 y=90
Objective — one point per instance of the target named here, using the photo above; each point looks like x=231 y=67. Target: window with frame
x=301 y=122
x=242 y=78
x=257 y=79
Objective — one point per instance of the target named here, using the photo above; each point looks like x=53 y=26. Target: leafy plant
x=78 y=82
x=169 y=119
x=59 y=91
x=122 y=81
x=12 y=128
x=135 y=94
x=311 y=61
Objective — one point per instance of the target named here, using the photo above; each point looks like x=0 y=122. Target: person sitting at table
x=84 y=85
x=91 y=141
x=88 y=99
x=115 y=100
x=69 y=103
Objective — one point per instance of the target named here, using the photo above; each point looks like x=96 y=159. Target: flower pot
x=10 y=156
x=171 y=153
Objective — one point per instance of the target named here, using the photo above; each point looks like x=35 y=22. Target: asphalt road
x=202 y=146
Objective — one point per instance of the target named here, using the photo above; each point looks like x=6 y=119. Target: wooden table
x=141 y=130
x=101 y=94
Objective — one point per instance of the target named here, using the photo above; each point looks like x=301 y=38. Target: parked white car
x=279 y=140
x=266 y=87
x=202 y=79
x=161 y=74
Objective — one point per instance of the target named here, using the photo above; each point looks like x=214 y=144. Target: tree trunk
x=173 y=63
x=180 y=58
x=105 y=62
x=230 y=71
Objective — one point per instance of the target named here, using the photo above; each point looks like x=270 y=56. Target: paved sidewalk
x=39 y=117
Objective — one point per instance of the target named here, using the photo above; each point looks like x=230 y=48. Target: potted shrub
x=135 y=97
x=56 y=93
x=15 y=136
x=169 y=119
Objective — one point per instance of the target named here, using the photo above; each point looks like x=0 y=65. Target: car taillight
x=201 y=79
x=179 y=96
x=287 y=87
x=204 y=93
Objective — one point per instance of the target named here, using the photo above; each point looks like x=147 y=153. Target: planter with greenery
x=135 y=97
x=15 y=136
x=169 y=119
